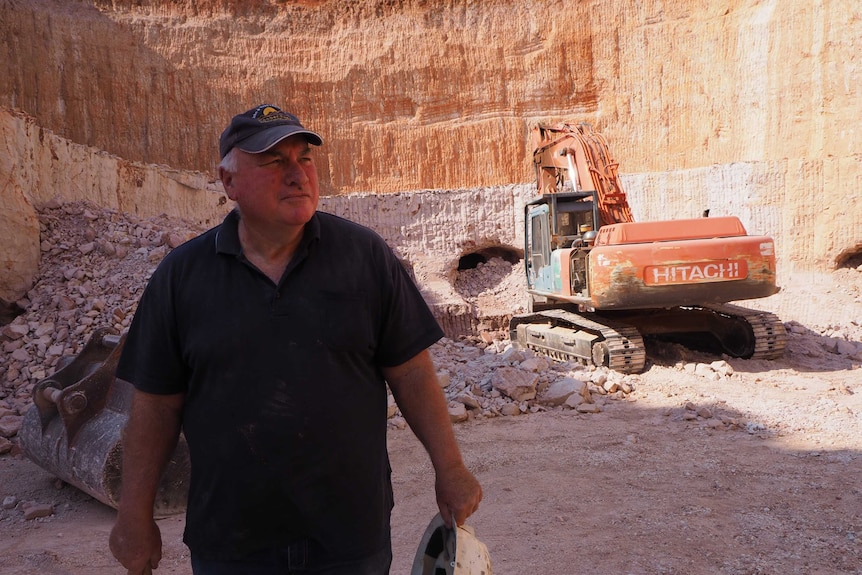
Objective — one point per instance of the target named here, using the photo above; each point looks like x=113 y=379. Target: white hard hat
x=444 y=551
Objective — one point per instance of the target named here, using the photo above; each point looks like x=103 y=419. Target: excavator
x=598 y=282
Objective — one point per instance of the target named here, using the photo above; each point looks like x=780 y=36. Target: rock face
x=412 y=94
x=742 y=107
x=39 y=169
x=19 y=256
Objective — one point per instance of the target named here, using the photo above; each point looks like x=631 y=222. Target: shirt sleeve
x=151 y=358
x=408 y=325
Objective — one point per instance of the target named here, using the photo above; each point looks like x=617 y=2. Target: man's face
x=276 y=187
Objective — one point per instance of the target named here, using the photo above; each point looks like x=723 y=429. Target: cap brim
x=263 y=141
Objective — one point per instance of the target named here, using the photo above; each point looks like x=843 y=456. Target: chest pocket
x=347 y=321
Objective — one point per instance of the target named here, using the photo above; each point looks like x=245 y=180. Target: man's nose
x=294 y=173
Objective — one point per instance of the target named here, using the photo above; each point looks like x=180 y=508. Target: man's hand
x=417 y=391
x=458 y=495
x=149 y=438
x=136 y=544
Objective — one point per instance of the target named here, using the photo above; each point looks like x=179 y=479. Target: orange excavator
x=598 y=282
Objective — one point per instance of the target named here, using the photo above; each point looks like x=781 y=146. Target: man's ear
x=226 y=178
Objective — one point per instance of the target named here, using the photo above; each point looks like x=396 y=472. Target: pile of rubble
x=95 y=263
x=492 y=379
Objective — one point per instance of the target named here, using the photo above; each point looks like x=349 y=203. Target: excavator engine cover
x=679 y=262
x=74 y=428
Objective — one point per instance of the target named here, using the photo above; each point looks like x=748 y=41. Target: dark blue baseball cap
x=260 y=128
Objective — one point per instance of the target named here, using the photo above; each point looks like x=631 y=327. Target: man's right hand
x=137 y=545
x=149 y=438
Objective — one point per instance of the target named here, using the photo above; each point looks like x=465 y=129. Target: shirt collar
x=227 y=236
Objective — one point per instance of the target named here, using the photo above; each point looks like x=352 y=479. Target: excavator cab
x=559 y=229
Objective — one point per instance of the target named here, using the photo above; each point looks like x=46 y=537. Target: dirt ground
x=646 y=486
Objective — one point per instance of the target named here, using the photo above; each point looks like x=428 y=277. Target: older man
x=269 y=340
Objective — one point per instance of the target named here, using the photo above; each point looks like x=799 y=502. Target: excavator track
x=770 y=337
x=617 y=341
x=565 y=335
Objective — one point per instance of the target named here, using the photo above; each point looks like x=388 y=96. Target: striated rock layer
x=415 y=94
x=745 y=107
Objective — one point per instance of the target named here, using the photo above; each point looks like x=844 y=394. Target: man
x=269 y=341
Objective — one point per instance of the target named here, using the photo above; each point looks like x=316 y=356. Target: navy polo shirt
x=285 y=407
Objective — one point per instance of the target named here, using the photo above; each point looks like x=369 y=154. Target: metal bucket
x=74 y=429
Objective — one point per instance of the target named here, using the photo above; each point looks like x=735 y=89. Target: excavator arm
x=577 y=152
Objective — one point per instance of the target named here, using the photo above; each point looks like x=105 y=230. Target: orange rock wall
x=746 y=107
x=417 y=94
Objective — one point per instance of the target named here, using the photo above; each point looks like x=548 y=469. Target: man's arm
x=149 y=439
x=418 y=394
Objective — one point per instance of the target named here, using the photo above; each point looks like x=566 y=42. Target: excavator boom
x=582 y=154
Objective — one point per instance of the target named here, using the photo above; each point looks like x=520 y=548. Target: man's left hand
x=458 y=495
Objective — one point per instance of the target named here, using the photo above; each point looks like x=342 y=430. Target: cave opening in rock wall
x=9 y=311
x=490 y=281
x=473 y=259
x=849 y=258
x=489 y=269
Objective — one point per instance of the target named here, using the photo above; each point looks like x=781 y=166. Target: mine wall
x=739 y=107
x=433 y=231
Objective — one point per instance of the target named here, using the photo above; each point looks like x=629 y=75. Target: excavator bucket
x=74 y=428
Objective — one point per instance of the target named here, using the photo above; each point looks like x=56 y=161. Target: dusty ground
x=643 y=487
